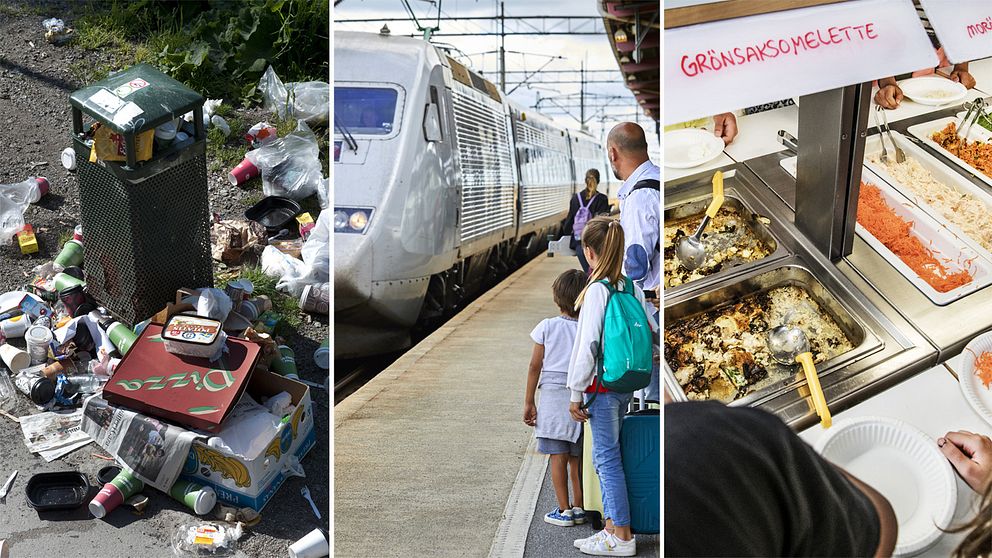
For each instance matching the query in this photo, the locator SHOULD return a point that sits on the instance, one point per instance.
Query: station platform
(432, 458)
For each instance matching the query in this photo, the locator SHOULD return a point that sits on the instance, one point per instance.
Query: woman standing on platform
(584, 206)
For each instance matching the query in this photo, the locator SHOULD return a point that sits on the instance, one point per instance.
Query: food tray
(273, 212)
(692, 212)
(941, 173)
(946, 247)
(57, 491)
(780, 377)
(924, 130)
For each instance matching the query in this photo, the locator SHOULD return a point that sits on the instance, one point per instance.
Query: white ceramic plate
(933, 90)
(691, 147)
(905, 466)
(976, 394)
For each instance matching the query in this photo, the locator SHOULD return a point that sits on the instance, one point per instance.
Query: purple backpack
(581, 216)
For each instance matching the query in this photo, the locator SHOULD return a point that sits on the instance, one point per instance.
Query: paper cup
(14, 358)
(285, 364)
(38, 338)
(71, 254)
(322, 356)
(69, 158)
(121, 336)
(313, 545)
(16, 326)
(242, 173)
(196, 497)
(77, 233)
(106, 501)
(64, 281)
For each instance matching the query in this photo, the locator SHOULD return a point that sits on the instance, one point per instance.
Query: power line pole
(502, 49)
(582, 95)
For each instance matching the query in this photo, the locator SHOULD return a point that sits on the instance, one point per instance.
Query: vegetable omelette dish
(727, 239)
(723, 354)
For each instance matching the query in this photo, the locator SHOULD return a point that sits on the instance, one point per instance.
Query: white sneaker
(578, 515)
(610, 546)
(579, 543)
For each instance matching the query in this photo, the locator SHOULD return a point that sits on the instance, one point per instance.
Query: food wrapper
(110, 146)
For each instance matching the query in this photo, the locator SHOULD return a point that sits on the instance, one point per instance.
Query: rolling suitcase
(640, 450)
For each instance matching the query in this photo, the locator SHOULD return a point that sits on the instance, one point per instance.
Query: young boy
(557, 434)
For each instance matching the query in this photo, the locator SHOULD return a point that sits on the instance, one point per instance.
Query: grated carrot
(891, 230)
(983, 368)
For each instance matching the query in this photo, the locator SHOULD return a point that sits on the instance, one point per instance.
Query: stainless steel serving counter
(949, 327)
(897, 350)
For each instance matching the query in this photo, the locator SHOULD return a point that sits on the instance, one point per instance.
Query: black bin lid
(136, 99)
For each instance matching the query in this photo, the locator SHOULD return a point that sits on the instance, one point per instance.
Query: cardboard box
(250, 481)
(186, 390)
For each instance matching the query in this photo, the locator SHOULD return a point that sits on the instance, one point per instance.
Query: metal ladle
(690, 250)
(788, 345)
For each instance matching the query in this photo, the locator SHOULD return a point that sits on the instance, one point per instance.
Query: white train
(440, 185)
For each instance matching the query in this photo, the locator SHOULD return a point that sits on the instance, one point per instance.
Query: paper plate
(933, 90)
(691, 147)
(904, 465)
(976, 394)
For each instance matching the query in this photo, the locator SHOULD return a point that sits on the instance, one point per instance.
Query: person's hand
(725, 127)
(971, 456)
(963, 77)
(578, 413)
(530, 414)
(889, 96)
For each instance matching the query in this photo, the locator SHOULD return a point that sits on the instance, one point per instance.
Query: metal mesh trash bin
(146, 224)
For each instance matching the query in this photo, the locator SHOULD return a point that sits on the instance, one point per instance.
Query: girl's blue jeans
(605, 416)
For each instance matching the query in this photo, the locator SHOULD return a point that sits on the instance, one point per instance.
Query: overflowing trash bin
(142, 190)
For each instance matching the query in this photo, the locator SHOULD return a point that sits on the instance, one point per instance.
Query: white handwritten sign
(964, 27)
(727, 65)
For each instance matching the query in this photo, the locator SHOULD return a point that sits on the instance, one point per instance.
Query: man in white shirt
(640, 215)
(640, 203)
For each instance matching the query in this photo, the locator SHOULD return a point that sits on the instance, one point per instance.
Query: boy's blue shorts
(550, 446)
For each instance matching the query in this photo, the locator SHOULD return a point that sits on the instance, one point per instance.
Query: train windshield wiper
(352, 144)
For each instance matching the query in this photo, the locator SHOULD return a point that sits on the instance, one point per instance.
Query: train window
(366, 110)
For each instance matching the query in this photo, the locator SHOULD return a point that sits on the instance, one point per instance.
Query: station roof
(637, 25)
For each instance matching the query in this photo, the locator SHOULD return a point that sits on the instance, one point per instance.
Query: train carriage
(441, 185)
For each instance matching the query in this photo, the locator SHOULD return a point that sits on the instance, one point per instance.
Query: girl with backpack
(612, 357)
(584, 206)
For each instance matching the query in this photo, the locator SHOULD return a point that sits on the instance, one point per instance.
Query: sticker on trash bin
(127, 114)
(106, 101)
(130, 87)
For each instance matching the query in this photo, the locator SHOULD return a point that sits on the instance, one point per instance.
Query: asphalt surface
(35, 83)
(552, 541)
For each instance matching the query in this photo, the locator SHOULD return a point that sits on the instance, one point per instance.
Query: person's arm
(573, 208)
(725, 127)
(585, 351)
(888, 526)
(961, 75)
(533, 373)
(971, 456)
(640, 230)
(889, 95)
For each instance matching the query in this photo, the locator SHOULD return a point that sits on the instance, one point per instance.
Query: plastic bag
(308, 100)
(206, 538)
(290, 166)
(294, 274)
(214, 304)
(248, 430)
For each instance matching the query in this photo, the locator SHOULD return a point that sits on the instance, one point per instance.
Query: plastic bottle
(87, 383)
(17, 198)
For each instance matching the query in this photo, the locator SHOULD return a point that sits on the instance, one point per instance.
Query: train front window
(365, 110)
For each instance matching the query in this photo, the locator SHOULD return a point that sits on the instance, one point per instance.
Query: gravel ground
(35, 83)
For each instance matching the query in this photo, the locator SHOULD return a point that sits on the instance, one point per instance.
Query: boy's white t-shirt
(557, 335)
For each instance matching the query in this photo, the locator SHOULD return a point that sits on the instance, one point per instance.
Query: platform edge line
(511, 537)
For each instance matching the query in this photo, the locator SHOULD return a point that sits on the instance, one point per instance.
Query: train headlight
(352, 219)
(358, 220)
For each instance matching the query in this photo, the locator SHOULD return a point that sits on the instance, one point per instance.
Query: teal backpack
(626, 357)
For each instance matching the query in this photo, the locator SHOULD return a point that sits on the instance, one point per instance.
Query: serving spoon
(789, 345)
(690, 250)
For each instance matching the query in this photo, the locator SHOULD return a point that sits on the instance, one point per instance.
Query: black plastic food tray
(273, 212)
(57, 491)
